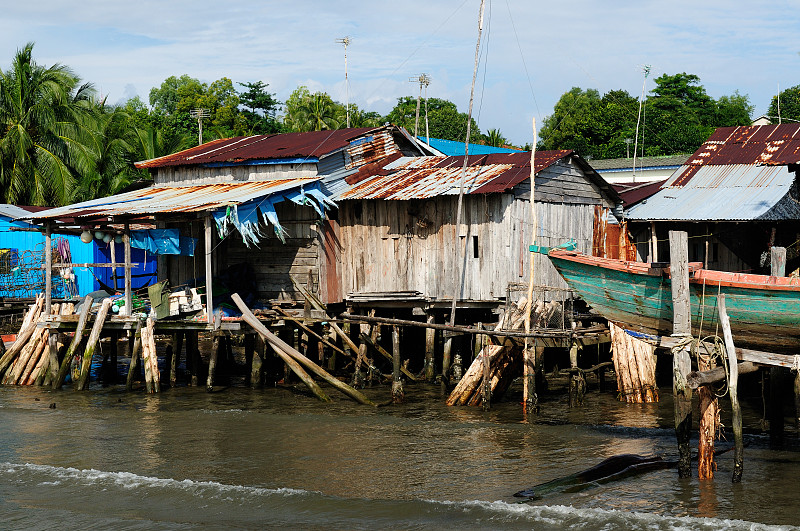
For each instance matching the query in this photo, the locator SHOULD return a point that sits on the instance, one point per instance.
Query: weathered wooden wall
(410, 245)
(191, 175)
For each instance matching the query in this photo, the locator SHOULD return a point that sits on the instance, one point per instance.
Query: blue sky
(532, 51)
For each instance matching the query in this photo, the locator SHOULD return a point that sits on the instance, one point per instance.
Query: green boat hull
(762, 319)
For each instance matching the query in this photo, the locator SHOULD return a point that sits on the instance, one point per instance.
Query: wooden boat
(764, 310)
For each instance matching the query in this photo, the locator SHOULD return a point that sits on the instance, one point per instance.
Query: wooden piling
(257, 363)
(398, 396)
(151, 359)
(295, 359)
(94, 337)
(73, 346)
(216, 346)
(135, 350)
(26, 330)
(733, 390)
(775, 409)
(709, 413)
(175, 360)
(682, 365)
(430, 348)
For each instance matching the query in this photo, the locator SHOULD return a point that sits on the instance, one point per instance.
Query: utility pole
(199, 114)
(424, 80)
(346, 41)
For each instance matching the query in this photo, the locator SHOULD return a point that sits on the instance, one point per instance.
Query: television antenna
(346, 42)
(646, 71)
(424, 80)
(199, 114)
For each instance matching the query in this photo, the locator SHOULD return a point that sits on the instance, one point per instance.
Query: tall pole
(346, 41)
(529, 397)
(461, 250)
(638, 118)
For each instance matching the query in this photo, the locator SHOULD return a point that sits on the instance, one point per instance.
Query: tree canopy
(786, 105)
(677, 117)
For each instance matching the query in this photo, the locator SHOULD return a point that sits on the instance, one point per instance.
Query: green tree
(444, 120)
(260, 107)
(574, 123)
(361, 118)
(312, 112)
(789, 105)
(47, 125)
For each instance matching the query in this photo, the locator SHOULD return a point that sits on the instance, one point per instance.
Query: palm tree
(494, 138)
(47, 131)
(318, 112)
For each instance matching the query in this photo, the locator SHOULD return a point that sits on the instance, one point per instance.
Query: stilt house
(398, 233)
(736, 197)
(253, 204)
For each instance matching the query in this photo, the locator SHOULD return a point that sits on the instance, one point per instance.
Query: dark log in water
(611, 469)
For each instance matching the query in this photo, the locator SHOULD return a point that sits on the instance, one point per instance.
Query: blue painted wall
(34, 241)
(145, 274)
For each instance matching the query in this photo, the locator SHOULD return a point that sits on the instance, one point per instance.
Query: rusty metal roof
(756, 144)
(172, 199)
(424, 177)
(311, 145)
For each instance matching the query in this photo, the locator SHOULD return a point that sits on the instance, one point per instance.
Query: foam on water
(218, 503)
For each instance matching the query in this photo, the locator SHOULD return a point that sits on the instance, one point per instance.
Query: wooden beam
(126, 241)
(209, 287)
(717, 374)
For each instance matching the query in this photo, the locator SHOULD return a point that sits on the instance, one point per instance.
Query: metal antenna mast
(424, 80)
(346, 42)
(646, 70)
(200, 114)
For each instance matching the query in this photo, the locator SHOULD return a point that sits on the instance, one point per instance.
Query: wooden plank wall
(390, 247)
(189, 175)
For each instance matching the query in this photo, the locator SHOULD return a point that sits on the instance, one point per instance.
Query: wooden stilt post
(486, 390)
(48, 269)
(52, 351)
(733, 390)
(778, 262)
(193, 354)
(257, 365)
(175, 360)
(397, 384)
(430, 348)
(709, 411)
(150, 359)
(112, 358)
(775, 414)
(447, 350)
(212, 360)
(682, 365)
(135, 352)
(94, 337)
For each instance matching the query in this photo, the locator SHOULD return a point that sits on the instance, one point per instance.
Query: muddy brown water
(276, 458)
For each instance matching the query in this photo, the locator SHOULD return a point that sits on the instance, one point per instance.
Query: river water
(277, 458)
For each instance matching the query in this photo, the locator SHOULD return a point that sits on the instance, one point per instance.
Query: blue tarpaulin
(244, 217)
(163, 241)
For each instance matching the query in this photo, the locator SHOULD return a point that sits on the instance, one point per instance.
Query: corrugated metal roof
(173, 199)
(735, 192)
(424, 177)
(312, 145)
(13, 211)
(755, 144)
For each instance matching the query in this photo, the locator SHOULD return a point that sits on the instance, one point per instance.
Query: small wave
(221, 411)
(128, 480)
(563, 516)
